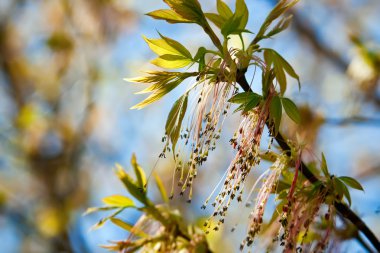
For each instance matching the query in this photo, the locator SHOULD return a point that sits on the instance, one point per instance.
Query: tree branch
(343, 209)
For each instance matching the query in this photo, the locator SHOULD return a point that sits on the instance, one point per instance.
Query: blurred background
(65, 118)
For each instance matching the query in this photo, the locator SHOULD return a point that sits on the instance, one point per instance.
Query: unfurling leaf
(174, 120)
(351, 182)
(291, 110)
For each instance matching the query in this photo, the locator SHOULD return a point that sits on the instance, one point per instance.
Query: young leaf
(162, 83)
(158, 94)
(169, 61)
(129, 227)
(241, 12)
(131, 185)
(291, 110)
(97, 209)
(243, 97)
(280, 65)
(351, 182)
(275, 111)
(280, 26)
(104, 220)
(255, 100)
(231, 26)
(118, 201)
(216, 19)
(281, 7)
(280, 75)
(324, 167)
(174, 120)
(188, 9)
(223, 9)
(161, 188)
(343, 190)
(140, 174)
(169, 16)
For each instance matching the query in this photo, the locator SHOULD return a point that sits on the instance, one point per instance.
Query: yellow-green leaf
(140, 174)
(351, 182)
(168, 15)
(241, 12)
(161, 188)
(118, 201)
(171, 61)
(174, 120)
(131, 185)
(223, 9)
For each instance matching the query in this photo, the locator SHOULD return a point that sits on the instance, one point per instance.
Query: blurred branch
(352, 120)
(304, 28)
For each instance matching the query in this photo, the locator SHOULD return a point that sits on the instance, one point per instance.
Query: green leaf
(169, 61)
(216, 19)
(275, 111)
(168, 15)
(132, 187)
(223, 9)
(161, 188)
(342, 188)
(231, 26)
(244, 97)
(174, 120)
(140, 174)
(252, 103)
(291, 110)
(241, 12)
(339, 191)
(324, 167)
(200, 57)
(280, 65)
(118, 201)
(280, 75)
(248, 100)
(351, 182)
